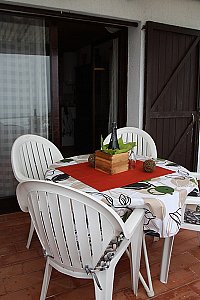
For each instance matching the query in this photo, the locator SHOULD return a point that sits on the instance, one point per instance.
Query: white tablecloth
(161, 197)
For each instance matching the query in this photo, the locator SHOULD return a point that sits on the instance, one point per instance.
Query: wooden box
(111, 164)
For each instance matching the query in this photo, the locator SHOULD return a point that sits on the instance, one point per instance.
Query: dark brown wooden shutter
(172, 91)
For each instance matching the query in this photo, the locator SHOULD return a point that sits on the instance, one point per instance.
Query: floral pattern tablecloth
(161, 197)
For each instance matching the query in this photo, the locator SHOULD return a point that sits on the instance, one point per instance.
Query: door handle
(193, 118)
(192, 131)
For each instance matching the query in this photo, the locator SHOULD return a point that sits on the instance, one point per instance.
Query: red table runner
(102, 181)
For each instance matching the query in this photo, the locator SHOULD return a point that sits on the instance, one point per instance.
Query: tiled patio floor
(21, 270)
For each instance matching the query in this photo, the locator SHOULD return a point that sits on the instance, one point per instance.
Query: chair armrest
(133, 221)
(192, 200)
(196, 175)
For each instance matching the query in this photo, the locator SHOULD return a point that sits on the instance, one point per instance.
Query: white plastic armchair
(77, 232)
(31, 155)
(145, 145)
(185, 224)
(194, 201)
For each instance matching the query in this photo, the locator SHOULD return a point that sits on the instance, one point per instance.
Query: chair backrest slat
(83, 232)
(69, 231)
(48, 223)
(25, 167)
(31, 161)
(56, 219)
(35, 211)
(96, 234)
(40, 164)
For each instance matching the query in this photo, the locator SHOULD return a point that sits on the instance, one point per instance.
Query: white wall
(176, 12)
(135, 77)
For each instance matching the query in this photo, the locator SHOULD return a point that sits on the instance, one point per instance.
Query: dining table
(161, 193)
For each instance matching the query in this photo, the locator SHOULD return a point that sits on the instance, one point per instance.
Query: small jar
(132, 160)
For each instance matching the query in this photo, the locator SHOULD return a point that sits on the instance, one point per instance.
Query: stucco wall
(176, 12)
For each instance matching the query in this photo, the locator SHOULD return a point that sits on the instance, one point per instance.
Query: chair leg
(149, 287)
(30, 235)
(45, 284)
(166, 257)
(106, 279)
(135, 266)
(198, 236)
(135, 255)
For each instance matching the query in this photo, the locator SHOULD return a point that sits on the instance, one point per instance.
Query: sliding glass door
(61, 79)
(24, 87)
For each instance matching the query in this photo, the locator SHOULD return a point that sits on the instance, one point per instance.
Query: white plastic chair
(194, 201)
(145, 145)
(77, 232)
(168, 246)
(31, 155)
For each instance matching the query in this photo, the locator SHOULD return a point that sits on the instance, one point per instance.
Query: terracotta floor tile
(37, 264)
(17, 230)
(182, 293)
(7, 240)
(83, 293)
(180, 278)
(9, 249)
(55, 274)
(59, 286)
(15, 222)
(3, 218)
(184, 235)
(9, 271)
(122, 281)
(19, 257)
(21, 245)
(159, 287)
(22, 281)
(22, 270)
(195, 252)
(182, 246)
(196, 268)
(19, 295)
(154, 250)
(128, 295)
(183, 260)
(34, 291)
(154, 268)
(123, 266)
(2, 288)
(15, 216)
(65, 283)
(195, 286)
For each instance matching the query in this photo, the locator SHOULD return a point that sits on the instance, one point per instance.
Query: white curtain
(24, 88)
(113, 85)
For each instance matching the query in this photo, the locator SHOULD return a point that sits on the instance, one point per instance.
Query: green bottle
(113, 139)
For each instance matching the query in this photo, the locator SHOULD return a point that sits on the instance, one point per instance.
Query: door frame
(122, 79)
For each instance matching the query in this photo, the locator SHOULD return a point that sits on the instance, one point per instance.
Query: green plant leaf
(101, 141)
(123, 147)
